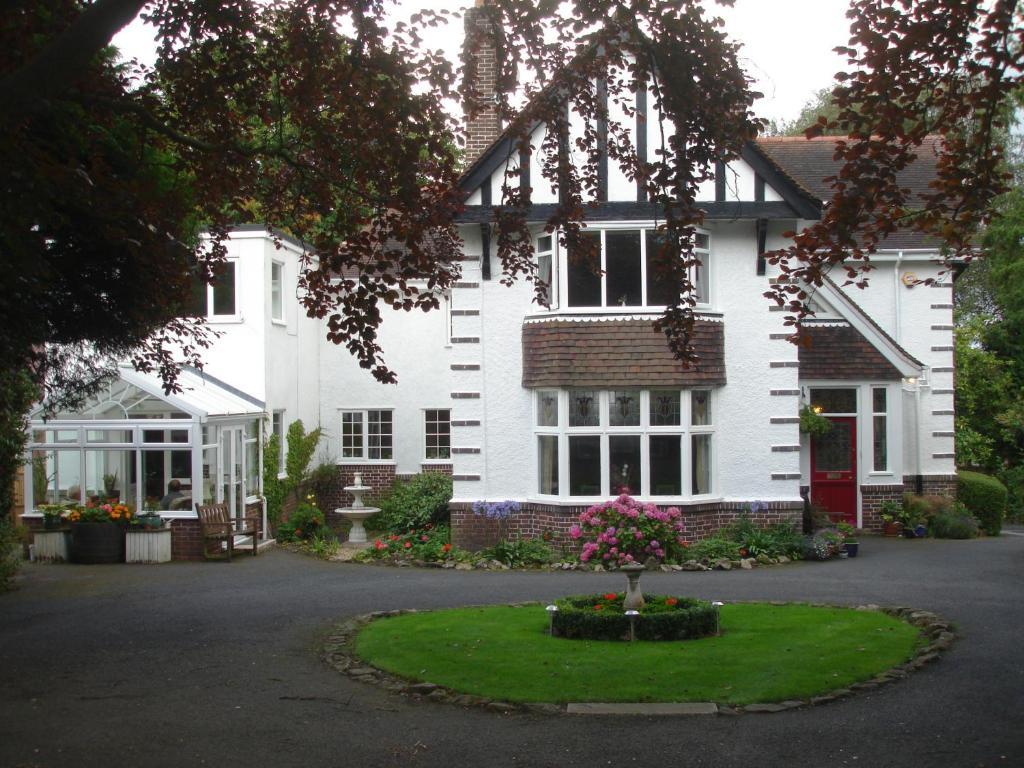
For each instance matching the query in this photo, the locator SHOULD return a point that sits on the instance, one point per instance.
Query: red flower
(378, 544)
(610, 596)
(744, 552)
(446, 548)
(408, 545)
(424, 537)
(599, 607)
(670, 601)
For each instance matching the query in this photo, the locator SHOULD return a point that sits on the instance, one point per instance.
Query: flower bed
(602, 617)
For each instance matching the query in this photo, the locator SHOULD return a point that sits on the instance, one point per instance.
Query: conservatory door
(834, 469)
(231, 469)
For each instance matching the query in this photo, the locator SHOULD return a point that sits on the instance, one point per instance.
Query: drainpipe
(896, 298)
(918, 480)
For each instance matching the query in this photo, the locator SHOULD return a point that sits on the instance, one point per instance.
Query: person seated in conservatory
(173, 494)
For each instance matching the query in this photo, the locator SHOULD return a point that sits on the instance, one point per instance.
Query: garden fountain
(357, 512)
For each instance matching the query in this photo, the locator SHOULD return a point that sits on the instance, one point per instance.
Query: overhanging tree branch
(61, 61)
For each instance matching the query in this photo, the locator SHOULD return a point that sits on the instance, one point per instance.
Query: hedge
(576, 619)
(985, 497)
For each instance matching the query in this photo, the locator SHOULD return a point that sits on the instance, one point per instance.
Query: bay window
(648, 443)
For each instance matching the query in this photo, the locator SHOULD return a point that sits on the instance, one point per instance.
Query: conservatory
(154, 451)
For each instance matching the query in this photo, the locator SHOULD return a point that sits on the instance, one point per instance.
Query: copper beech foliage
(918, 69)
(318, 118)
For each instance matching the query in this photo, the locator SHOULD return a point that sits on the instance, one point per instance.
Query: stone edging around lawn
(338, 651)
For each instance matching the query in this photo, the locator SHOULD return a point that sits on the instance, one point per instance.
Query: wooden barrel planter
(94, 543)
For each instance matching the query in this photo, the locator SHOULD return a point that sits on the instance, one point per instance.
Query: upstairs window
(217, 299)
(277, 292)
(222, 298)
(545, 269)
(628, 276)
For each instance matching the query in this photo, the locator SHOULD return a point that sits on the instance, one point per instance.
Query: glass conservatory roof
(134, 395)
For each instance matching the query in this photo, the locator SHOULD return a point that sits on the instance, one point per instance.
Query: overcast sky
(787, 45)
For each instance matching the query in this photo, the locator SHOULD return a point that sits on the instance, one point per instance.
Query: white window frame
(365, 450)
(277, 287)
(279, 432)
(685, 430)
(551, 255)
(427, 458)
(562, 280)
(235, 316)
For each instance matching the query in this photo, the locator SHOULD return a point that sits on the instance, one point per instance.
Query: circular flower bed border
(601, 617)
(339, 652)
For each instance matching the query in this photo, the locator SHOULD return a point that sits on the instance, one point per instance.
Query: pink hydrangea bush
(625, 531)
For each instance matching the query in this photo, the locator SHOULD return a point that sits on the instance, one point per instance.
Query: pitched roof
(808, 162)
(839, 351)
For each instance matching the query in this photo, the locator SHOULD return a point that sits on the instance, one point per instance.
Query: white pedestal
(148, 546)
(51, 546)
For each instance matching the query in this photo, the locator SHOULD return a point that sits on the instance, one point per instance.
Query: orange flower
(671, 601)
(446, 548)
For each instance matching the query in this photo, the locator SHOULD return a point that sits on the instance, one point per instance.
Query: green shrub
(662, 618)
(518, 553)
(714, 548)
(921, 509)
(417, 502)
(1013, 479)
(10, 553)
(955, 524)
(985, 497)
(305, 523)
(324, 544)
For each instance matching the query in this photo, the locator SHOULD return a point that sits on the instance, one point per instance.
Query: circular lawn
(765, 653)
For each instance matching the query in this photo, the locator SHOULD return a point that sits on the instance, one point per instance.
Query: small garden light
(632, 624)
(552, 610)
(717, 604)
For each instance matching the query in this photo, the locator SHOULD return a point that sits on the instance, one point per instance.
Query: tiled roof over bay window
(617, 353)
(839, 351)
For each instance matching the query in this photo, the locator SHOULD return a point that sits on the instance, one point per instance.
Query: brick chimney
(483, 127)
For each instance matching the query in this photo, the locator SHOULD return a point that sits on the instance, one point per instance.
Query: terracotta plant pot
(892, 529)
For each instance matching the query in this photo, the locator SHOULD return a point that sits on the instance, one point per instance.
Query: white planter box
(51, 546)
(148, 546)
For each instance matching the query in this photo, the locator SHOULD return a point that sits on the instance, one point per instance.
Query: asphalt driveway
(215, 664)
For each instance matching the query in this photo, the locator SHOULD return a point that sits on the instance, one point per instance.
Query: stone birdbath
(634, 599)
(357, 512)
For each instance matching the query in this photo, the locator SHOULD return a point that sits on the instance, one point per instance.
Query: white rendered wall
(745, 406)
(293, 347)
(924, 329)
(414, 348)
(238, 356)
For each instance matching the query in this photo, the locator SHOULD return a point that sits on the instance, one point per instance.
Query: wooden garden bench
(218, 526)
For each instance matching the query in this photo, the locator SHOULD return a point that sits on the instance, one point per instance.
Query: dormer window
(627, 276)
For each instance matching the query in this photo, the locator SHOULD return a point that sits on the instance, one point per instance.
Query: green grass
(765, 653)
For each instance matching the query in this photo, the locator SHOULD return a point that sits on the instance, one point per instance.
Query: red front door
(834, 469)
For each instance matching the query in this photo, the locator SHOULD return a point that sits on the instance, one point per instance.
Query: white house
(559, 406)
